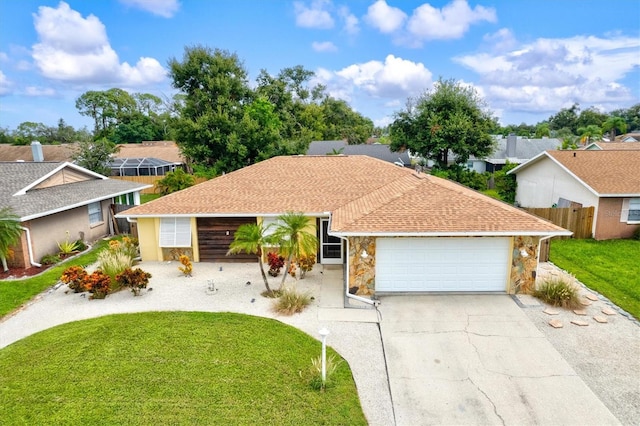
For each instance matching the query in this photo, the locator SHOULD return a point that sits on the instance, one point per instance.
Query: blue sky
(527, 59)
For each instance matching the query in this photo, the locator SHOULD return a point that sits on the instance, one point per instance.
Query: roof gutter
(346, 286)
(33, 262)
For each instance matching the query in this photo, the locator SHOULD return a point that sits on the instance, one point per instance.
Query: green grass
(611, 267)
(493, 193)
(171, 368)
(145, 198)
(14, 293)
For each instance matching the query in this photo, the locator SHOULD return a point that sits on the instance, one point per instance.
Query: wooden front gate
(215, 234)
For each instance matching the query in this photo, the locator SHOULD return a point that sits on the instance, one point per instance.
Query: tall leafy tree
(293, 236)
(95, 155)
(612, 124)
(10, 232)
(565, 118)
(107, 108)
(591, 116)
(251, 238)
(449, 118)
(215, 88)
(630, 115)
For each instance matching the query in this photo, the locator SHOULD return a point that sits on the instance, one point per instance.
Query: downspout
(33, 262)
(347, 294)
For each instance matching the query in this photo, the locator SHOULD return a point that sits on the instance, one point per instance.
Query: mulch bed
(15, 273)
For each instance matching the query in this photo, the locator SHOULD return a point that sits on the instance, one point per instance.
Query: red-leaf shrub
(75, 277)
(275, 263)
(135, 279)
(98, 283)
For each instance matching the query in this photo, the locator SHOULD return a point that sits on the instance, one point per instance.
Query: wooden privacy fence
(578, 220)
(151, 180)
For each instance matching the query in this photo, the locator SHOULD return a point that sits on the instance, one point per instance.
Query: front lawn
(14, 293)
(171, 368)
(611, 267)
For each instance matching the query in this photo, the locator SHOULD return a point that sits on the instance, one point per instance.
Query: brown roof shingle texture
(631, 146)
(163, 150)
(58, 153)
(365, 195)
(608, 172)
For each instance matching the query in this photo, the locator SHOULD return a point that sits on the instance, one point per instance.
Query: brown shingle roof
(365, 195)
(607, 172)
(634, 146)
(163, 150)
(60, 153)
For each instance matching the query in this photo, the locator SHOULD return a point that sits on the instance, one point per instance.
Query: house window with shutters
(175, 232)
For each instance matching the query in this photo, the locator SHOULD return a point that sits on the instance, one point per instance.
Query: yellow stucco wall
(148, 236)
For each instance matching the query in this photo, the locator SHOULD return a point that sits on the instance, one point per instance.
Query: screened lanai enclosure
(141, 167)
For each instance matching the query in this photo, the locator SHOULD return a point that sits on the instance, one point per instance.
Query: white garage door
(442, 264)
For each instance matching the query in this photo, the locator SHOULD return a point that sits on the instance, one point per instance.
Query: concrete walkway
(477, 359)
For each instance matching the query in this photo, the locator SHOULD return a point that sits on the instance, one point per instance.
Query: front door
(330, 246)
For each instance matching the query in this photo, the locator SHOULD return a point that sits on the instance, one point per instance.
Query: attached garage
(448, 264)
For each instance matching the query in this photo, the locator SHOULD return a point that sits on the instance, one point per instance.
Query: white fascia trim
(137, 216)
(620, 195)
(56, 170)
(73, 206)
(452, 234)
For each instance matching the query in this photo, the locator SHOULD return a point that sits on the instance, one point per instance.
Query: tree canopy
(449, 118)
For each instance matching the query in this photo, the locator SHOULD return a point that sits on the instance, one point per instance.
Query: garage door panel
(441, 264)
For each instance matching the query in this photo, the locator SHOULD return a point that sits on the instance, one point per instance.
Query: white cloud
(549, 74)
(323, 46)
(4, 57)
(315, 16)
(501, 40)
(351, 23)
(450, 22)
(391, 81)
(39, 91)
(5, 84)
(74, 49)
(385, 18)
(164, 8)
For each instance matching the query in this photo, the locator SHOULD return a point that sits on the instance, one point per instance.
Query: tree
(589, 133)
(107, 108)
(95, 155)
(542, 129)
(591, 116)
(612, 124)
(450, 118)
(215, 88)
(506, 185)
(566, 117)
(250, 238)
(174, 181)
(630, 115)
(10, 232)
(294, 238)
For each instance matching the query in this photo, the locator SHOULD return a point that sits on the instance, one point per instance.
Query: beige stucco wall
(521, 265)
(607, 221)
(47, 231)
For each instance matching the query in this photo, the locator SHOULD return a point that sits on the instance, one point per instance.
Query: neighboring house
(394, 229)
(608, 180)
(629, 137)
(612, 145)
(514, 149)
(53, 198)
(37, 152)
(374, 150)
(149, 158)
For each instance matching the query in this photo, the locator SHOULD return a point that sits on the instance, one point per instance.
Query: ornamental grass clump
(559, 292)
(291, 302)
(314, 375)
(114, 262)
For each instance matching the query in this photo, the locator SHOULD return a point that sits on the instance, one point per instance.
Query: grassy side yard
(172, 368)
(145, 198)
(14, 293)
(610, 267)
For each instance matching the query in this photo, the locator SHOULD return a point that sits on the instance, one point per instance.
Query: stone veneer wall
(524, 264)
(362, 271)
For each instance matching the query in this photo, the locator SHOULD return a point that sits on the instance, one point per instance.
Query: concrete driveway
(478, 359)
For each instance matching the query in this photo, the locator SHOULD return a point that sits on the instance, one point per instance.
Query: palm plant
(10, 232)
(612, 124)
(294, 238)
(250, 238)
(590, 133)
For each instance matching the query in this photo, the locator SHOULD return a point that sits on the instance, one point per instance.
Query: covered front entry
(331, 252)
(215, 234)
(442, 264)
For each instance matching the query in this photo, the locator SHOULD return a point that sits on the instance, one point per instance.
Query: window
(634, 210)
(175, 232)
(95, 213)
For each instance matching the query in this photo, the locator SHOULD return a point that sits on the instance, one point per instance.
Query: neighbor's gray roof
(376, 150)
(15, 176)
(525, 148)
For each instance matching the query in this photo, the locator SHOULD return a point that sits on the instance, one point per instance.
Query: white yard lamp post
(324, 333)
